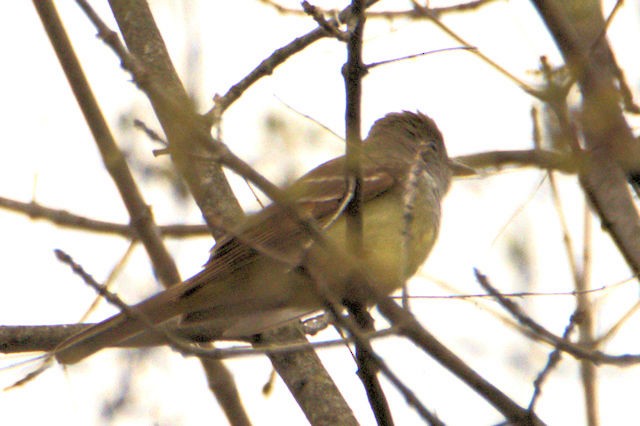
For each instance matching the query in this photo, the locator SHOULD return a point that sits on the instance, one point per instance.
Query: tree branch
(140, 213)
(611, 146)
(277, 58)
(187, 133)
(73, 221)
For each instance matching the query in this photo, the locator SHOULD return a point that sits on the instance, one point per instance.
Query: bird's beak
(460, 169)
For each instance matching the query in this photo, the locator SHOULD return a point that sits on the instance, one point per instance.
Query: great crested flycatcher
(243, 289)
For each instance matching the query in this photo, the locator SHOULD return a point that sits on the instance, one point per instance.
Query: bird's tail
(116, 329)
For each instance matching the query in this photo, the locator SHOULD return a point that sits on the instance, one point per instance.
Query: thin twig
(586, 325)
(416, 55)
(113, 274)
(151, 134)
(552, 361)
(115, 300)
(71, 220)
(268, 65)
(615, 328)
(474, 50)
(524, 294)
(332, 27)
(413, 13)
(574, 350)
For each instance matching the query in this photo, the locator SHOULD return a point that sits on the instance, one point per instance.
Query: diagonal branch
(205, 179)
(141, 216)
(612, 147)
(278, 57)
(409, 327)
(190, 140)
(140, 213)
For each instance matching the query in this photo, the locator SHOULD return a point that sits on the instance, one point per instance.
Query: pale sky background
(48, 154)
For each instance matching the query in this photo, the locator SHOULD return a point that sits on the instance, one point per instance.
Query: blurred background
(505, 223)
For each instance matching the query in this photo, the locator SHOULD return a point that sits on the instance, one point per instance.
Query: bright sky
(49, 155)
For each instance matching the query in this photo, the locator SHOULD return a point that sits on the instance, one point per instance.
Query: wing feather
(274, 232)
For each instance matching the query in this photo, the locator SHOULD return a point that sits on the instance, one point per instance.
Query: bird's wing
(319, 195)
(274, 231)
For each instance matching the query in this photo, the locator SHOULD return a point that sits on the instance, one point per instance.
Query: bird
(263, 272)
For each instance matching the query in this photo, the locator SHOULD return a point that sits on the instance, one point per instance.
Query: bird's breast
(397, 236)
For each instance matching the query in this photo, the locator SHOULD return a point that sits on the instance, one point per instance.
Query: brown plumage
(251, 281)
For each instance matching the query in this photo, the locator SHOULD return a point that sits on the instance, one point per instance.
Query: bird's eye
(429, 150)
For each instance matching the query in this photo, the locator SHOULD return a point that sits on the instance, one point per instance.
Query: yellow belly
(394, 246)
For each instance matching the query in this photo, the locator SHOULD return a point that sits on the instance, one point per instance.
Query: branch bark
(204, 178)
(611, 148)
